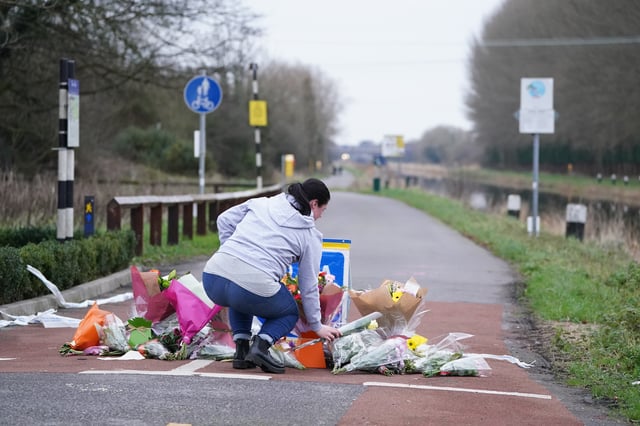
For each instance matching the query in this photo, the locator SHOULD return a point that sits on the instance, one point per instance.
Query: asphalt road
(469, 290)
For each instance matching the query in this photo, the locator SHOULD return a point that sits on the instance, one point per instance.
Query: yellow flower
(396, 295)
(372, 325)
(415, 341)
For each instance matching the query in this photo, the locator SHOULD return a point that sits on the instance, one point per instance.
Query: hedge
(66, 264)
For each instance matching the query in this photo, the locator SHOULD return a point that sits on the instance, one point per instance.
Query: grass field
(588, 294)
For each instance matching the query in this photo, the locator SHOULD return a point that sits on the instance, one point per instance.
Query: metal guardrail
(214, 203)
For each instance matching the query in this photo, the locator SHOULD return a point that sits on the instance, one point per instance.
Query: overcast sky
(400, 66)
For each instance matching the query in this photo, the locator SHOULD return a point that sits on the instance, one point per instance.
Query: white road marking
(450, 389)
(193, 365)
(7, 359)
(189, 369)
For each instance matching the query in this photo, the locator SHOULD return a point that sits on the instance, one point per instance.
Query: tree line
(133, 60)
(591, 49)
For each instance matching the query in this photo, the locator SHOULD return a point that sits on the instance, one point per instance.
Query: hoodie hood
(282, 211)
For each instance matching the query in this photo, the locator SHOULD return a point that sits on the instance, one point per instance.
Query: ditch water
(608, 222)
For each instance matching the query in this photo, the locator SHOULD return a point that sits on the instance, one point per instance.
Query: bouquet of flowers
(148, 293)
(331, 298)
(429, 359)
(385, 356)
(402, 305)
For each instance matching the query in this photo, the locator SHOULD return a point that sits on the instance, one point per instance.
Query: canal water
(608, 222)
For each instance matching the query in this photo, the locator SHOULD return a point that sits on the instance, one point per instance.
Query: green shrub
(66, 264)
(156, 148)
(41, 257)
(13, 275)
(18, 237)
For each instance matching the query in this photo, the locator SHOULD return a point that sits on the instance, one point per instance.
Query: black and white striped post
(66, 155)
(254, 68)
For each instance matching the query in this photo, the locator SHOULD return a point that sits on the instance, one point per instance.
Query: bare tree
(123, 49)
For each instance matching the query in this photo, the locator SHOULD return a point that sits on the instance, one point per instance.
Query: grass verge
(593, 287)
(185, 250)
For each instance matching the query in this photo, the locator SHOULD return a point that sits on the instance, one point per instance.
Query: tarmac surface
(469, 291)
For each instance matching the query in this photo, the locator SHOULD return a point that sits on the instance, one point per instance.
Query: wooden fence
(208, 207)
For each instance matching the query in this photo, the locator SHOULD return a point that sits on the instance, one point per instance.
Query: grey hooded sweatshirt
(269, 234)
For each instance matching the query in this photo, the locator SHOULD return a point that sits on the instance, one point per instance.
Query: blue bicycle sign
(202, 94)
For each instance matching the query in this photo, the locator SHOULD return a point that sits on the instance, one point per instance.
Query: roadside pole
(536, 115)
(68, 139)
(257, 119)
(534, 186)
(202, 94)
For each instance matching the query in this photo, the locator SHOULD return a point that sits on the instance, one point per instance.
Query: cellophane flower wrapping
(155, 350)
(386, 357)
(193, 307)
(332, 296)
(86, 334)
(473, 365)
(215, 340)
(429, 358)
(113, 334)
(343, 349)
(402, 305)
(148, 298)
(281, 352)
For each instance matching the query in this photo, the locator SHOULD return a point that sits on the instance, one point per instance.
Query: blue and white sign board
(336, 259)
(73, 113)
(202, 94)
(536, 106)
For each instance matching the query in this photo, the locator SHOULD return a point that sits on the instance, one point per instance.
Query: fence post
(201, 227)
(114, 215)
(187, 220)
(137, 225)
(173, 217)
(155, 225)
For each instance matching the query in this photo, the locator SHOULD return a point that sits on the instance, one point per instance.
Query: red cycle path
(507, 396)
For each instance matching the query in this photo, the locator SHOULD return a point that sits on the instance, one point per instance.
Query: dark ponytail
(310, 189)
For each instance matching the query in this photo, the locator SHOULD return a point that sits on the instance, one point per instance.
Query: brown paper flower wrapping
(395, 314)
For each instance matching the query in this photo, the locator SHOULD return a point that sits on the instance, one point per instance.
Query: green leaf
(138, 322)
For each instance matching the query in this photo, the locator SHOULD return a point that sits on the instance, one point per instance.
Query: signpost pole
(202, 94)
(534, 186)
(536, 116)
(203, 126)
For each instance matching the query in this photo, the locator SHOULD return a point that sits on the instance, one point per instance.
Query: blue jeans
(280, 311)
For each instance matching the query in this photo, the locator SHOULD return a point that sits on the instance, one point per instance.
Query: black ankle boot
(242, 349)
(259, 355)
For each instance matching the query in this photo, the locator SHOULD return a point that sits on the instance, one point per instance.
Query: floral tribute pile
(175, 320)
(393, 347)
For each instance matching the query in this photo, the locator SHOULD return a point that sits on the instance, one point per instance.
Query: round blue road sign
(202, 94)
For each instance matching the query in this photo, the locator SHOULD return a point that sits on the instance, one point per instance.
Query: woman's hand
(328, 333)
